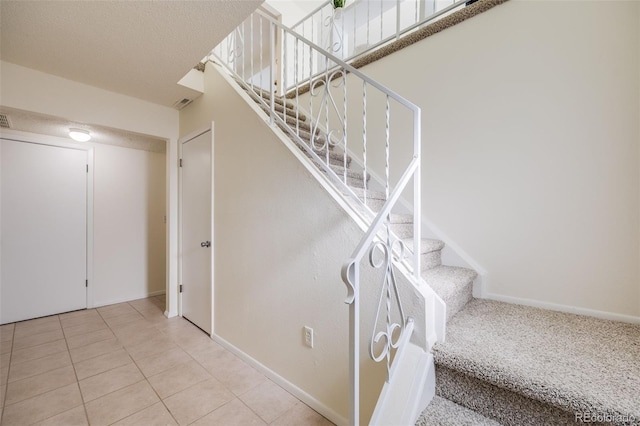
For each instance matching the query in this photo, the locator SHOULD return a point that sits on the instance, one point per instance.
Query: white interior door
(43, 193)
(196, 226)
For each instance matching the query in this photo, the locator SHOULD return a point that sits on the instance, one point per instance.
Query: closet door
(44, 230)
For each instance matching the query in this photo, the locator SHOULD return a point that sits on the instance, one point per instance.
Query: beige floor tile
(235, 374)
(9, 327)
(137, 333)
(6, 346)
(37, 326)
(301, 414)
(35, 352)
(102, 363)
(120, 404)
(42, 383)
(110, 381)
(6, 333)
(143, 304)
(4, 375)
(268, 400)
(197, 401)
(95, 349)
(178, 378)
(191, 339)
(74, 417)
(4, 359)
(203, 353)
(72, 319)
(3, 389)
(124, 320)
(213, 358)
(38, 366)
(43, 406)
(37, 339)
(156, 415)
(156, 345)
(155, 364)
(111, 311)
(89, 338)
(94, 324)
(233, 413)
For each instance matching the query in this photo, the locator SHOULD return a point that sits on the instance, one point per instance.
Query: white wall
(31, 90)
(530, 145)
(129, 229)
(280, 242)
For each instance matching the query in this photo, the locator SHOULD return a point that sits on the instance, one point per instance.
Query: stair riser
(459, 300)
(430, 260)
(374, 204)
(504, 406)
(402, 230)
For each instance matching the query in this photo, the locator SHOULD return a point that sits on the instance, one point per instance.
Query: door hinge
(181, 162)
(180, 288)
(87, 168)
(86, 283)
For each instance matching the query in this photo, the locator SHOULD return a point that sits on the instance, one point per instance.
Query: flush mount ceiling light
(79, 135)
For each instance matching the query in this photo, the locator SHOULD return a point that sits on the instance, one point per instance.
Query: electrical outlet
(308, 336)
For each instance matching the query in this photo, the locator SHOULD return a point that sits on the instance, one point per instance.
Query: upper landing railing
(362, 26)
(343, 119)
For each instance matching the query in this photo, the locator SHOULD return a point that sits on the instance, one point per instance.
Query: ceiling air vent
(4, 121)
(182, 103)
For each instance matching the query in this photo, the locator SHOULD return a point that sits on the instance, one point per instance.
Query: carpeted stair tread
(352, 174)
(371, 195)
(442, 412)
(447, 281)
(427, 245)
(572, 362)
(401, 218)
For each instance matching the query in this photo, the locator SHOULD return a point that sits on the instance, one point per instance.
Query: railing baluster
(364, 139)
(297, 92)
(272, 58)
(386, 149)
(252, 43)
(284, 82)
(261, 49)
(326, 120)
(344, 125)
(397, 19)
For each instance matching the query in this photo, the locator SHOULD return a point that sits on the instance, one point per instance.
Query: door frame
(181, 142)
(25, 137)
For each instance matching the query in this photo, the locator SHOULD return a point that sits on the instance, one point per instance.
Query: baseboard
(564, 308)
(128, 299)
(285, 384)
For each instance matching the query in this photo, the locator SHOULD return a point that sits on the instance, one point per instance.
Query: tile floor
(127, 364)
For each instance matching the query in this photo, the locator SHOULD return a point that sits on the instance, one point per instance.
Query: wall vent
(182, 103)
(4, 121)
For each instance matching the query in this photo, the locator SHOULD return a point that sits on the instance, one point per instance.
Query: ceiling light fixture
(79, 135)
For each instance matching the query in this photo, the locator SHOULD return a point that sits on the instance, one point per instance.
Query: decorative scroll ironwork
(334, 33)
(235, 46)
(335, 136)
(392, 251)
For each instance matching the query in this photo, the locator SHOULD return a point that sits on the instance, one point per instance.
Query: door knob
(205, 244)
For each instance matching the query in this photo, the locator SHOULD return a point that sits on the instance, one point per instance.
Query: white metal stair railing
(364, 25)
(330, 134)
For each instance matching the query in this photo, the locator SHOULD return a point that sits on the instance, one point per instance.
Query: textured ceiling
(137, 48)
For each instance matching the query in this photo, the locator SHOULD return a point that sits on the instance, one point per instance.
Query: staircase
(500, 363)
